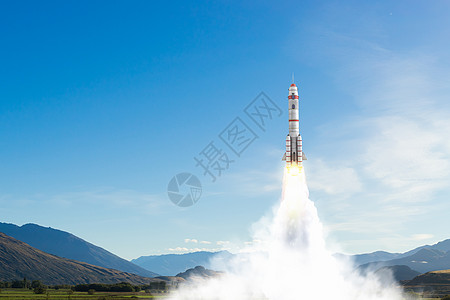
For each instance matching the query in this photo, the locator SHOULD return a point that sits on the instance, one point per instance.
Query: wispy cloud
(333, 180)
(191, 241)
(205, 246)
(255, 182)
(397, 152)
(422, 236)
(181, 250)
(222, 243)
(102, 198)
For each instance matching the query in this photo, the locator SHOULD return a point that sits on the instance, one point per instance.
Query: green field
(23, 294)
(26, 294)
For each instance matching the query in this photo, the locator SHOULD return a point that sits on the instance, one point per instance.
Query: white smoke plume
(294, 262)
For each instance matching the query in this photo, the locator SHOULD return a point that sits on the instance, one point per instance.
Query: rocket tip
(293, 84)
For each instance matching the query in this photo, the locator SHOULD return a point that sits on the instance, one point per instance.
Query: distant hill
(425, 260)
(64, 244)
(378, 256)
(400, 273)
(434, 277)
(431, 284)
(360, 259)
(19, 260)
(171, 264)
(199, 272)
(443, 246)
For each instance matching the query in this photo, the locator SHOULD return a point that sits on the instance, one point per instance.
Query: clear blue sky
(102, 102)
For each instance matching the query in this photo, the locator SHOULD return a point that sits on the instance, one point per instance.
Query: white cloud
(422, 236)
(191, 241)
(253, 242)
(111, 198)
(255, 182)
(108, 199)
(221, 245)
(333, 180)
(180, 250)
(409, 148)
(397, 151)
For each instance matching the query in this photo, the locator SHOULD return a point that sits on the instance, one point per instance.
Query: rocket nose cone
(293, 84)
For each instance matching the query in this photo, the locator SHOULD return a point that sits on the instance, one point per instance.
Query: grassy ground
(25, 294)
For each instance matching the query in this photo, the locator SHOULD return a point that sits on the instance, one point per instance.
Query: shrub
(446, 297)
(40, 290)
(17, 284)
(36, 283)
(91, 292)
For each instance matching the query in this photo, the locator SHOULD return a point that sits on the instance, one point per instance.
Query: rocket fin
(304, 156)
(284, 156)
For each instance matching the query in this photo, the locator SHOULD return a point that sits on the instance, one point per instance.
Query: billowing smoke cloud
(294, 262)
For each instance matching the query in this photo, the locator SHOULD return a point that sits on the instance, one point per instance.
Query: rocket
(294, 155)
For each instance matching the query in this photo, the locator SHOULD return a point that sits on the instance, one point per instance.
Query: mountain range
(67, 245)
(378, 256)
(171, 264)
(435, 284)
(19, 260)
(198, 272)
(398, 273)
(419, 260)
(424, 260)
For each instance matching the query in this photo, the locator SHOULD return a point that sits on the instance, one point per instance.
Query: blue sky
(101, 103)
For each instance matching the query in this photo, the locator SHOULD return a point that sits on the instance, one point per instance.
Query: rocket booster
(294, 155)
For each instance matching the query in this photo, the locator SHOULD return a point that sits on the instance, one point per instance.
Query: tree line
(36, 285)
(120, 287)
(40, 288)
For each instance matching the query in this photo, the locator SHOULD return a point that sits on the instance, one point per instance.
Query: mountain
(434, 277)
(425, 260)
(171, 264)
(67, 245)
(379, 256)
(199, 272)
(431, 284)
(443, 246)
(360, 259)
(400, 273)
(19, 260)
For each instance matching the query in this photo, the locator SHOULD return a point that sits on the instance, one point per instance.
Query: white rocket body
(294, 155)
